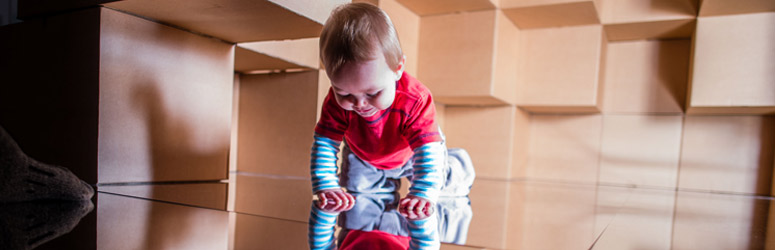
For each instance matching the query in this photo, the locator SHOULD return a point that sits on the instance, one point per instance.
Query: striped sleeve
(323, 164)
(321, 229)
(424, 234)
(428, 162)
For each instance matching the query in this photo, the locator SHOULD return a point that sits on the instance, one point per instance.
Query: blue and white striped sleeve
(424, 234)
(427, 178)
(321, 229)
(323, 164)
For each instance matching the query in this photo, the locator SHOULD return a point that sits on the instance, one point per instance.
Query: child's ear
(400, 69)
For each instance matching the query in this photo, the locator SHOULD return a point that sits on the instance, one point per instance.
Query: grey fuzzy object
(27, 225)
(25, 179)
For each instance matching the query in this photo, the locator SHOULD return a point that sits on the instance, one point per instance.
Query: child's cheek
(346, 105)
(386, 101)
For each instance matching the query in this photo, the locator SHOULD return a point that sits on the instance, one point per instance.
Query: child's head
(362, 57)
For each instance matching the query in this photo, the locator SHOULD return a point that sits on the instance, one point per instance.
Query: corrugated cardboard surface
(487, 133)
(641, 150)
(427, 8)
(683, 28)
(407, 25)
(237, 21)
(277, 119)
(564, 148)
(277, 55)
(734, 61)
(165, 102)
(556, 73)
(456, 54)
(282, 197)
(644, 77)
(731, 7)
(634, 11)
(544, 15)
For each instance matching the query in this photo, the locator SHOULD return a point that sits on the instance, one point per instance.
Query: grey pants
(361, 177)
(378, 211)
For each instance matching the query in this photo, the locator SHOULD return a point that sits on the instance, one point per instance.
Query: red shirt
(386, 139)
(374, 240)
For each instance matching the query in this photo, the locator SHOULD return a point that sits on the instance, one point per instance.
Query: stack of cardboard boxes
(637, 93)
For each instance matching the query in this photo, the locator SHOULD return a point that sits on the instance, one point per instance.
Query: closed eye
(374, 94)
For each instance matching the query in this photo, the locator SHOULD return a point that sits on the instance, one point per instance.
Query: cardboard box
(493, 136)
(469, 58)
(407, 24)
(165, 102)
(428, 8)
(267, 56)
(558, 76)
(207, 195)
(530, 14)
(727, 221)
(123, 99)
(564, 148)
(282, 197)
(733, 66)
(641, 150)
(670, 29)
(731, 7)
(646, 77)
(732, 154)
(440, 114)
(277, 117)
(648, 19)
(238, 21)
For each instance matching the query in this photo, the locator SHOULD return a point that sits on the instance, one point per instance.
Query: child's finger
(350, 198)
(322, 197)
(421, 206)
(352, 201)
(342, 198)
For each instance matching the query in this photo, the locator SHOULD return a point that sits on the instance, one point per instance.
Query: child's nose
(360, 103)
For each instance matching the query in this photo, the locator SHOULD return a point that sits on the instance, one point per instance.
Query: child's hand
(335, 200)
(415, 208)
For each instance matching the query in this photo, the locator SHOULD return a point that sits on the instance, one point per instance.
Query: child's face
(366, 87)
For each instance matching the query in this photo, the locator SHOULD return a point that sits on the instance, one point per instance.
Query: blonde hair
(353, 33)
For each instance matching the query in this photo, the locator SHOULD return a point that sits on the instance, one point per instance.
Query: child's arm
(428, 162)
(325, 183)
(424, 234)
(426, 181)
(321, 228)
(323, 164)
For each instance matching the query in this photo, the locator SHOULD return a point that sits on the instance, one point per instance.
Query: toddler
(384, 116)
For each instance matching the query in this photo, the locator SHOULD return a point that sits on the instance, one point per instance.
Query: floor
(502, 215)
